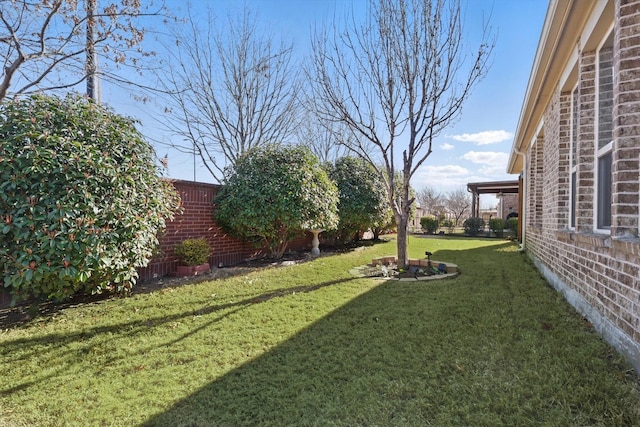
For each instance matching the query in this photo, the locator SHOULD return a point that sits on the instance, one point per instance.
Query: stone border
(365, 271)
(392, 260)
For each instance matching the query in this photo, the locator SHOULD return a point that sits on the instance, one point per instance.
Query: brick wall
(586, 128)
(509, 204)
(626, 131)
(598, 273)
(196, 221)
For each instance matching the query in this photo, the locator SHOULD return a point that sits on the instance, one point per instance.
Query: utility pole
(93, 80)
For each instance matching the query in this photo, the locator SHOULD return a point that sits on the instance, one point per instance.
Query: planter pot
(192, 270)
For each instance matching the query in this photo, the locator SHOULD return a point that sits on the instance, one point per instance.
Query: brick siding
(195, 221)
(602, 269)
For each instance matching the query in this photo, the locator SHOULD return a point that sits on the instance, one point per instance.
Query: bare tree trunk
(396, 81)
(402, 240)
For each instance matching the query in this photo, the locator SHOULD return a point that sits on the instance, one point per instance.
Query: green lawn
(311, 345)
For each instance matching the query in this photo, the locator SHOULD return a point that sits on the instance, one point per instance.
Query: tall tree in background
(430, 199)
(325, 140)
(397, 81)
(230, 88)
(44, 43)
(458, 202)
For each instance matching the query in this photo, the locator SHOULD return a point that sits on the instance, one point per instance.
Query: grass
(311, 345)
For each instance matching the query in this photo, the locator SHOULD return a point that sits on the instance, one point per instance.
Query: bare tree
(326, 140)
(44, 44)
(397, 80)
(458, 202)
(229, 88)
(430, 200)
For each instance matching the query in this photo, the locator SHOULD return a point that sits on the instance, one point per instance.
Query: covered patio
(497, 188)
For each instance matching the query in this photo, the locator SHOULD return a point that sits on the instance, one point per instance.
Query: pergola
(494, 187)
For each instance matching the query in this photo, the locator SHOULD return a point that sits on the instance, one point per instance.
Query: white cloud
(484, 138)
(446, 147)
(445, 170)
(489, 158)
(493, 171)
(493, 164)
(443, 177)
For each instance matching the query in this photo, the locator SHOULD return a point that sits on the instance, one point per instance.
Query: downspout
(523, 214)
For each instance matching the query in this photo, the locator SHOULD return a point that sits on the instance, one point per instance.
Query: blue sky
(475, 148)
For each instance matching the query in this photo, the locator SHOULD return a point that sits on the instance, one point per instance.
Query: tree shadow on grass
(414, 353)
(485, 348)
(362, 364)
(25, 348)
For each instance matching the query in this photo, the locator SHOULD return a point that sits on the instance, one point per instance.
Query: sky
(475, 148)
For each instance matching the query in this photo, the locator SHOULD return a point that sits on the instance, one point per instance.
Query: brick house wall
(598, 271)
(508, 205)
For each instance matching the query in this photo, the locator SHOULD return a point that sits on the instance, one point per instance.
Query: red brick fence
(196, 221)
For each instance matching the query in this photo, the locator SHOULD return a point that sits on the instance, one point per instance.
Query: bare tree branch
(458, 202)
(430, 199)
(229, 88)
(397, 81)
(45, 42)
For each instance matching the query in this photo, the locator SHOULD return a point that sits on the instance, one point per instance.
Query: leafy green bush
(81, 201)
(512, 224)
(497, 226)
(273, 193)
(449, 224)
(193, 251)
(362, 200)
(429, 223)
(472, 226)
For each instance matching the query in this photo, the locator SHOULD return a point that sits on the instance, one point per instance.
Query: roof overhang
(568, 23)
(494, 187)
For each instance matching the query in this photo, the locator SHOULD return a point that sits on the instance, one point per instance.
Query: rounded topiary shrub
(362, 202)
(273, 193)
(449, 224)
(512, 224)
(81, 200)
(497, 226)
(193, 251)
(429, 224)
(473, 226)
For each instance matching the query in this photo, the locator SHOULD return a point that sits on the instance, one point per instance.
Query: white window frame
(600, 152)
(573, 162)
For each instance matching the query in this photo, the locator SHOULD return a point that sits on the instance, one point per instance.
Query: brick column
(564, 168)
(626, 119)
(585, 151)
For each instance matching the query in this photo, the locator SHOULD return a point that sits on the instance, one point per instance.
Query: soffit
(493, 187)
(562, 30)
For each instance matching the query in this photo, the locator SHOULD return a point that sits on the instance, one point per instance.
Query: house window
(604, 134)
(573, 161)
